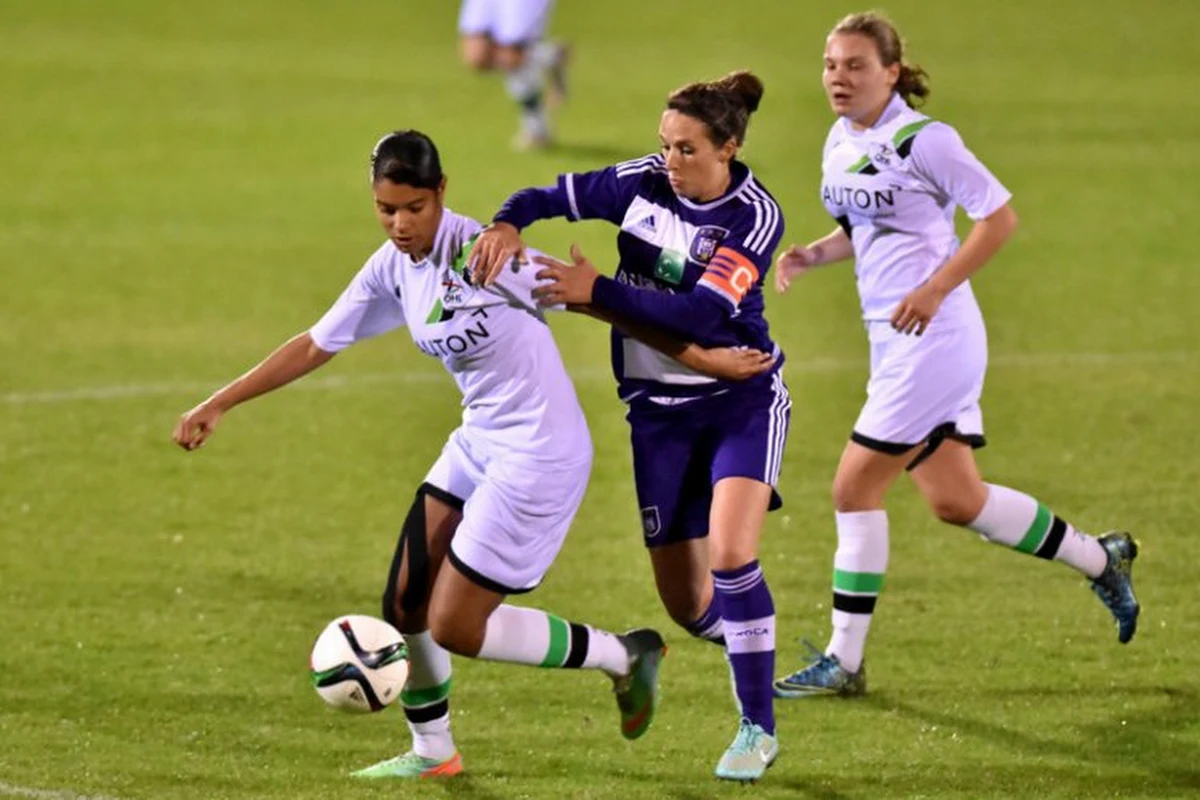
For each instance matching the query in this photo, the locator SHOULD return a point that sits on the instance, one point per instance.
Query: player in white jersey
(494, 509)
(507, 35)
(893, 178)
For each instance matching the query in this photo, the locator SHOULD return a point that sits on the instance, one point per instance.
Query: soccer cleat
(527, 141)
(637, 692)
(752, 753)
(824, 675)
(1114, 587)
(411, 765)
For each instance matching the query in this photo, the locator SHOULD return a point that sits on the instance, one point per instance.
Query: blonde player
(508, 35)
(892, 180)
(494, 509)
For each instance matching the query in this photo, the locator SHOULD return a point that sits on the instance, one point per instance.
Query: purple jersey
(695, 270)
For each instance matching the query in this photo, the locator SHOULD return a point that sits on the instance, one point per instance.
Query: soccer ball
(358, 664)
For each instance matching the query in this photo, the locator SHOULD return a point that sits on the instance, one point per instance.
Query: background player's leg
(956, 493)
(859, 563)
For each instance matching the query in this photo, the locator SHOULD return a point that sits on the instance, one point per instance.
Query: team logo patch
(705, 243)
(651, 524)
(883, 155)
(453, 292)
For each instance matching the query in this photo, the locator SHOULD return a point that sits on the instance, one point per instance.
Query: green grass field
(184, 187)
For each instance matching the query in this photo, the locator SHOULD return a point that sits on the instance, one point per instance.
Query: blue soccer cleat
(1114, 587)
(824, 675)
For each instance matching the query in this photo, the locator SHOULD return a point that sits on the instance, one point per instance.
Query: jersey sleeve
(368, 307)
(607, 193)
(941, 157)
(744, 256)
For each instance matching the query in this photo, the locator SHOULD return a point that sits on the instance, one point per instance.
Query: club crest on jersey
(883, 154)
(651, 523)
(452, 292)
(705, 243)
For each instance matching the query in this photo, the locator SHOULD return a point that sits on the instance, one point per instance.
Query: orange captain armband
(731, 274)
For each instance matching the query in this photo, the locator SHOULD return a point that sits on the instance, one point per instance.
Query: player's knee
(456, 632)
(851, 494)
(954, 509)
(509, 58)
(476, 53)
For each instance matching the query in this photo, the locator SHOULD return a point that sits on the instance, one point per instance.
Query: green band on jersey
(1037, 531)
(459, 264)
(909, 131)
(857, 582)
(560, 638)
(859, 165)
(417, 698)
(435, 316)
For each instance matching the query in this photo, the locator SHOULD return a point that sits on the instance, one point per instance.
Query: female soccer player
(507, 35)
(492, 513)
(697, 233)
(892, 180)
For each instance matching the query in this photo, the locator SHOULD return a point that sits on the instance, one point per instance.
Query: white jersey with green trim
(894, 188)
(494, 342)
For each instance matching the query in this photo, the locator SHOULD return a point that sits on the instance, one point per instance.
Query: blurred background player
(494, 509)
(507, 35)
(892, 179)
(697, 235)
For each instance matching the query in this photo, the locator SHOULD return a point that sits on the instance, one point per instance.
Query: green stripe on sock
(859, 582)
(415, 698)
(560, 639)
(1037, 531)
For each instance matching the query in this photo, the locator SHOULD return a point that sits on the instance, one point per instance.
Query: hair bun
(744, 85)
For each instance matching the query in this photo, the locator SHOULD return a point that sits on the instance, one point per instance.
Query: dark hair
(913, 83)
(724, 105)
(408, 157)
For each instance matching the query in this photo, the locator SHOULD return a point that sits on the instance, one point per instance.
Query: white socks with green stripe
(529, 636)
(426, 696)
(858, 568)
(1016, 520)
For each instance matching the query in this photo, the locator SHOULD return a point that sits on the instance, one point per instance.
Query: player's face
(856, 82)
(409, 215)
(696, 168)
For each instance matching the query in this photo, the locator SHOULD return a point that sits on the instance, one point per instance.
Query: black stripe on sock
(428, 713)
(1053, 540)
(579, 646)
(854, 603)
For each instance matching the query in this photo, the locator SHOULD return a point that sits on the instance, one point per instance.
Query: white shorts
(506, 22)
(922, 387)
(516, 512)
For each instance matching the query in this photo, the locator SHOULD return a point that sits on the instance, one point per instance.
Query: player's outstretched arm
(722, 363)
(294, 358)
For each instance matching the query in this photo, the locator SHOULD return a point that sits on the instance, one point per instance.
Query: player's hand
(793, 263)
(570, 284)
(195, 426)
(917, 309)
(735, 363)
(495, 248)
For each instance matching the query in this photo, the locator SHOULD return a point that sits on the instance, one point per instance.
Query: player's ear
(441, 189)
(728, 150)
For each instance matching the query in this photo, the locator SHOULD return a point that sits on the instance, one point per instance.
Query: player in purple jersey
(697, 232)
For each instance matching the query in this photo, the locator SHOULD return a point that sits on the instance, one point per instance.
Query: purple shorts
(681, 451)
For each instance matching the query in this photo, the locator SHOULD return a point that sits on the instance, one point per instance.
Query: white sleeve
(368, 307)
(516, 283)
(940, 156)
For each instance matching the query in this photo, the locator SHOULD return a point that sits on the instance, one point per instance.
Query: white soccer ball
(359, 664)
